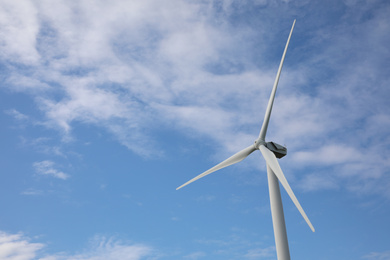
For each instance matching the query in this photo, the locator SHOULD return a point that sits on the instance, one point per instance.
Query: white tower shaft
(280, 233)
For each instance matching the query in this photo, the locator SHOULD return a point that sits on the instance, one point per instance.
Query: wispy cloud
(261, 253)
(333, 154)
(19, 29)
(124, 68)
(377, 255)
(16, 114)
(109, 249)
(183, 65)
(195, 255)
(47, 168)
(206, 198)
(312, 182)
(45, 145)
(17, 246)
(235, 246)
(32, 192)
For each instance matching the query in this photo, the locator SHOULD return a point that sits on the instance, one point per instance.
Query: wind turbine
(270, 151)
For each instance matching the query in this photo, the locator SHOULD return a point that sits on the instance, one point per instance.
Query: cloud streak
(19, 247)
(16, 246)
(195, 68)
(47, 168)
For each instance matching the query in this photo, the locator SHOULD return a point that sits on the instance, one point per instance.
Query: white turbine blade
(267, 115)
(271, 160)
(238, 157)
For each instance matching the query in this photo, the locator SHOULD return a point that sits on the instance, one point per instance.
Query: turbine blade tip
(185, 184)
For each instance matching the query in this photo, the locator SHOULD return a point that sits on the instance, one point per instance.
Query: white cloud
(378, 255)
(116, 68)
(84, 104)
(132, 67)
(312, 182)
(47, 168)
(261, 253)
(17, 247)
(108, 249)
(206, 198)
(332, 154)
(32, 192)
(16, 114)
(18, 31)
(195, 255)
(236, 246)
(20, 247)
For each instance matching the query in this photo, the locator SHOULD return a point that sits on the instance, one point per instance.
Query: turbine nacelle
(279, 150)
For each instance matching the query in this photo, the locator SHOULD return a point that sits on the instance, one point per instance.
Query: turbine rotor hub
(258, 143)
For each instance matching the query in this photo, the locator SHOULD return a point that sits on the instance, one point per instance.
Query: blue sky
(107, 106)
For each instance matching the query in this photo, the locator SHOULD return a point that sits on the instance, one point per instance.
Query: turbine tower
(270, 151)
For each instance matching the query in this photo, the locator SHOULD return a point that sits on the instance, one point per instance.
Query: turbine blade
(267, 115)
(271, 160)
(238, 157)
